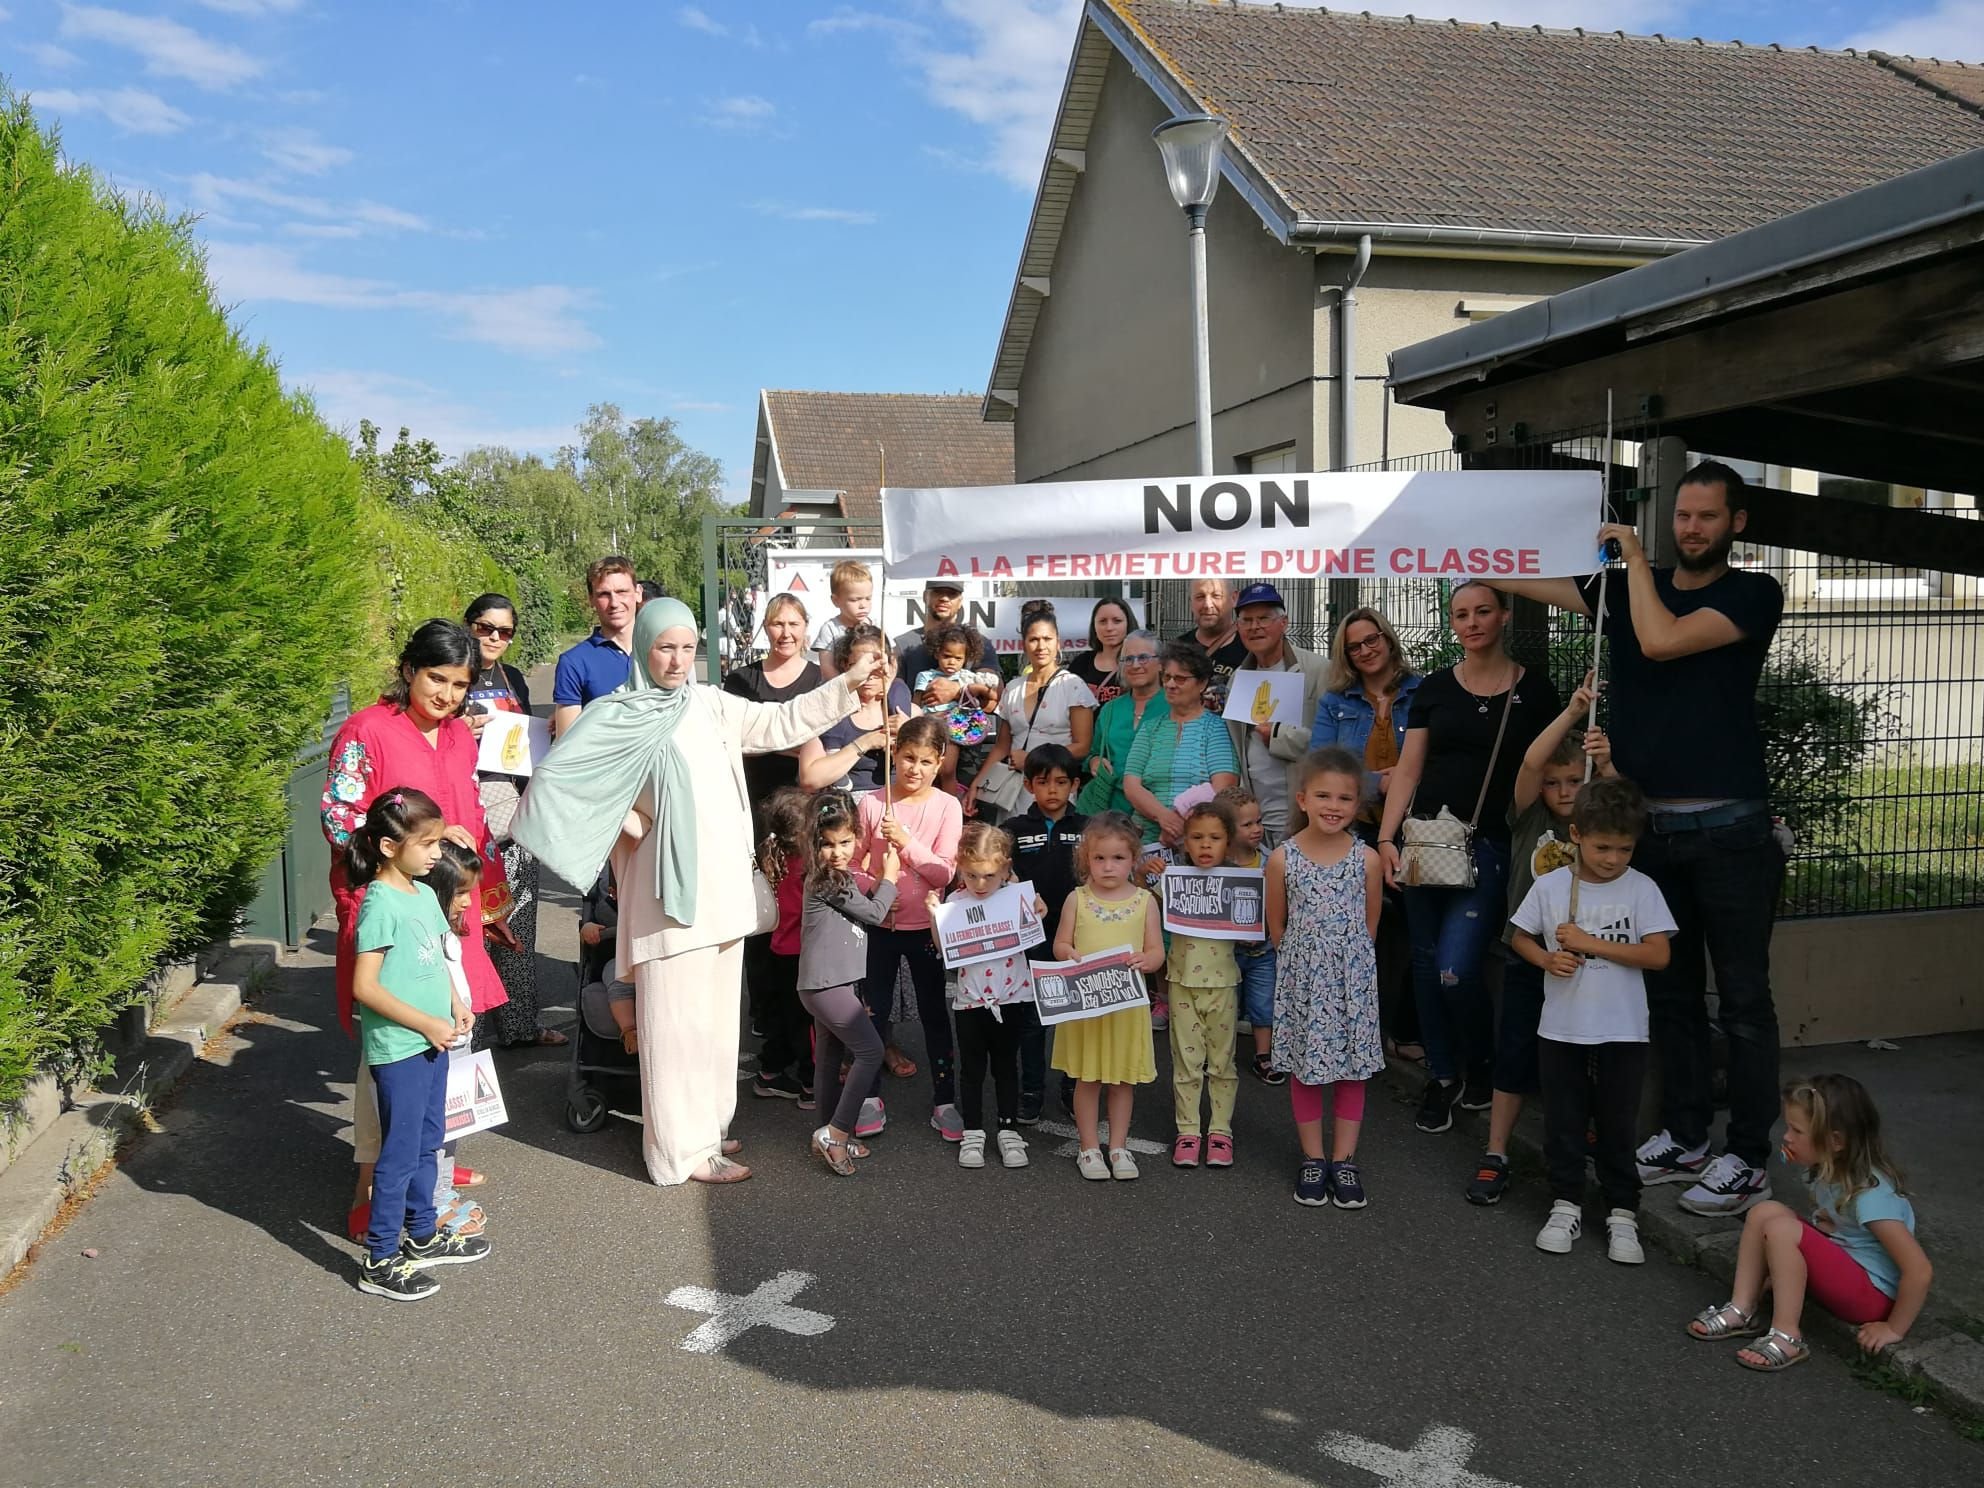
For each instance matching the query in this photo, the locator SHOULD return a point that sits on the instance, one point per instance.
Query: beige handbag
(1438, 851)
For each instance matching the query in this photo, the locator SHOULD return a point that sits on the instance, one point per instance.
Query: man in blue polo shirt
(598, 664)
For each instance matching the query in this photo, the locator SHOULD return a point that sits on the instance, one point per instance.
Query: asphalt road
(988, 1327)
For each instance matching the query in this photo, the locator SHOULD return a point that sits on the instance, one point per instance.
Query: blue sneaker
(1312, 1183)
(1346, 1186)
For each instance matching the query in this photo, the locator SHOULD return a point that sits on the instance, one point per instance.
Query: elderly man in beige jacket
(1267, 750)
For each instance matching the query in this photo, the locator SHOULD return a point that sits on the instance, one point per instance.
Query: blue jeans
(413, 1101)
(1450, 930)
(1257, 988)
(1722, 886)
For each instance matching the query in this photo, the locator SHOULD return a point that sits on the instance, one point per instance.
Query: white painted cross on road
(1437, 1460)
(766, 1307)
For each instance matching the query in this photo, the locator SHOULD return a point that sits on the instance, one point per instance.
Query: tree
(649, 492)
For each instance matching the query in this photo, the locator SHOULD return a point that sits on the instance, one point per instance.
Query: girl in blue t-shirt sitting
(1857, 1256)
(408, 1015)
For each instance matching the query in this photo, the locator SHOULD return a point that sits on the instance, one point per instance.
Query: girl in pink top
(923, 824)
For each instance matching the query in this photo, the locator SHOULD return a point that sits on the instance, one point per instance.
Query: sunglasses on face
(499, 632)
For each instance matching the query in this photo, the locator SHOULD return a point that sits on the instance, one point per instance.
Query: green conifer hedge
(178, 598)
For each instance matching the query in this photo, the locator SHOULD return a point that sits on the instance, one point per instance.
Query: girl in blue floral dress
(1324, 890)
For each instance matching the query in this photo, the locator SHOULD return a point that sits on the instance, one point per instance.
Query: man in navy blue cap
(1266, 751)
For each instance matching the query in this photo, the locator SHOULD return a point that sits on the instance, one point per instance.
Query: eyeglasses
(1179, 679)
(1141, 658)
(499, 632)
(1369, 643)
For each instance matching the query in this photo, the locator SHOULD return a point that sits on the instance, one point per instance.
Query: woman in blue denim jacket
(1369, 680)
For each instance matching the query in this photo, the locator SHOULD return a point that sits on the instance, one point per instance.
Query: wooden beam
(1900, 536)
(1803, 441)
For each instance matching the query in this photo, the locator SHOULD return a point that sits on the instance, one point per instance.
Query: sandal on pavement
(469, 1177)
(551, 1038)
(900, 1064)
(1219, 1150)
(1089, 1162)
(1726, 1321)
(731, 1146)
(1778, 1349)
(461, 1217)
(1122, 1166)
(720, 1170)
(834, 1154)
(1185, 1151)
(1264, 1071)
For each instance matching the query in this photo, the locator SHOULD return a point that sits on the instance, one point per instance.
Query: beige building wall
(1877, 976)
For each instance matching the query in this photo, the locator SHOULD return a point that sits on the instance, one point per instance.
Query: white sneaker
(1728, 1187)
(971, 1150)
(1089, 1163)
(1661, 1159)
(1561, 1230)
(1121, 1164)
(1012, 1148)
(1622, 1238)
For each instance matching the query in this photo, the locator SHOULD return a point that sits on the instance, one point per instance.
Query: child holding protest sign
(992, 1001)
(1203, 973)
(1256, 957)
(1107, 912)
(1325, 889)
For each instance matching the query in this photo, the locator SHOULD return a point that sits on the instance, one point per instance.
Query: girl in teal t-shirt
(408, 1016)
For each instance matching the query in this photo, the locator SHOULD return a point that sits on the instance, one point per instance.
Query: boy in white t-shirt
(853, 591)
(1594, 927)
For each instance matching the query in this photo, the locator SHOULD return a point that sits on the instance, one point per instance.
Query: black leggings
(887, 949)
(785, 1022)
(1597, 1085)
(984, 1040)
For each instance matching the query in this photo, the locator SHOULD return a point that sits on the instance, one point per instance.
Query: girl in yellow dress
(1108, 911)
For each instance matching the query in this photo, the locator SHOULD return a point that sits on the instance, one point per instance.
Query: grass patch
(1913, 841)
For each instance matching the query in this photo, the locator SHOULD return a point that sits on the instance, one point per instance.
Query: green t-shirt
(1539, 843)
(412, 931)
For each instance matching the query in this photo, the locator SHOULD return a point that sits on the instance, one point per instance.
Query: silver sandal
(834, 1154)
(1779, 1351)
(1726, 1321)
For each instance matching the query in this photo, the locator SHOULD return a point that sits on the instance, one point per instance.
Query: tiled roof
(843, 442)
(1352, 118)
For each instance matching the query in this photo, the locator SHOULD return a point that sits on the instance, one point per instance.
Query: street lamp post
(1191, 148)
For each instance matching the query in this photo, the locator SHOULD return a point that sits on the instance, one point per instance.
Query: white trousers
(687, 1008)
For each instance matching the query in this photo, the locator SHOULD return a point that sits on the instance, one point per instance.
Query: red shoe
(469, 1177)
(1185, 1151)
(359, 1220)
(1219, 1150)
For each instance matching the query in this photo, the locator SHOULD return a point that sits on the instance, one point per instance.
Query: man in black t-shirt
(1685, 648)
(1217, 633)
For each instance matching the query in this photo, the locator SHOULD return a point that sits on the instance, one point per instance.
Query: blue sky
(477, 218)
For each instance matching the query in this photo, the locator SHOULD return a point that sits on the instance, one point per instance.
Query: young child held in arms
(1113, 1050)
(833, 960)
(1256, 957)
(1539, 841)
(957, 651)
(986, 998)
(1045, 836)
(1594, 928)
(1203, 974)
(1858, 1257)
(853, 592)
(408, 1016)
(1324, 891)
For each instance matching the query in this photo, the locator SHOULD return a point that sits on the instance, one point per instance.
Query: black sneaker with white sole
(780, 1086)
(1476, 1095)
(395, 1278)
(1490, 1180)
(1661, 1159)
(1436, 1107)
(1030, 1103)
(444, 1249)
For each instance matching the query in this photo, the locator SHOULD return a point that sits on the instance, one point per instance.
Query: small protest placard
(1264, 697)
(1216, 903)
(475, 1100)
(512, 743)
(1088, 987)
(979, 929)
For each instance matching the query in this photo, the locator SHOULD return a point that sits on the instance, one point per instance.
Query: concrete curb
(1948, 1361)
(66, 1152)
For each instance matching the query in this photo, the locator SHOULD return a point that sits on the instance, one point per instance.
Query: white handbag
(764, 903)
(1437, 852)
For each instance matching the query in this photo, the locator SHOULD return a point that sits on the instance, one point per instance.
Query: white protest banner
(1254, 697)
(1433, 524)
(475, 1100)
(1088, 987)
(979, 929)
(808, 572)
(512, 743)
(1216, 903)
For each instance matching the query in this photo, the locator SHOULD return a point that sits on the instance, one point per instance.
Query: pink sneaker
(873, 1118)
(1185, 1151)
(948, 1121)
(1160, 1015)
(1219, 1150)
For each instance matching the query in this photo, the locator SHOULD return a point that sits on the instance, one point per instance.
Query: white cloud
(1953, 31)
(301, 151)
(534, 320)
(394, 402)
(168, 48)
(320, 229)
(745, 111)
(848, 19)
(252, 7)
(696, 19)
(853, 216)
(698, 405)
(131, 109)
(213, 193)
(51, 56)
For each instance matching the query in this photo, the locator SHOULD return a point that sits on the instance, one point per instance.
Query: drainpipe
(1346, 382)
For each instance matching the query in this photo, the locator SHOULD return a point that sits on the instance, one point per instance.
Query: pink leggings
(1307, 1100)
(1837, 1282)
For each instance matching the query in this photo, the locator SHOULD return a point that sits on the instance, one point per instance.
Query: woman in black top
(1446, 764)
(497, 687)
(1100, 666)
(786, 671)
(850, 755)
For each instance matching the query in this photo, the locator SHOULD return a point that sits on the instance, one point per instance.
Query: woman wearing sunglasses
(497, 687)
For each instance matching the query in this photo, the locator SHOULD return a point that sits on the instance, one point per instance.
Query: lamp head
(1191, 147)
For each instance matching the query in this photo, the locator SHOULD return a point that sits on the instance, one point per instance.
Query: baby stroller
(598, 1059)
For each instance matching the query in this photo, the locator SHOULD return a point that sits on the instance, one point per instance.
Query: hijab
(570, 818)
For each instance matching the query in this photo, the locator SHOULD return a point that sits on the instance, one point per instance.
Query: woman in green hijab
(652, 777)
